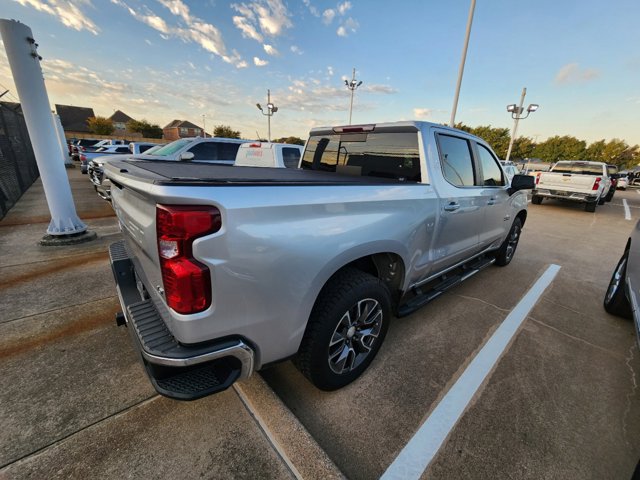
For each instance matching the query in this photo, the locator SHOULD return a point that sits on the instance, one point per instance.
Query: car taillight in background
(83, 158)
(538, 177)
(596, 184)
(187, 282)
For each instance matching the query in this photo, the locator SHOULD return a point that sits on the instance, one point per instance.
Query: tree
(148, 130)
(225, 131)
(561, 148)
(290, 140)
(100, 125)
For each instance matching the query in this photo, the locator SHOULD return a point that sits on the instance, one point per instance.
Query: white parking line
(416, 456)
(627, 212)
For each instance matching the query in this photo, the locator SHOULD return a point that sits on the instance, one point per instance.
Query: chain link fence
(18, 168)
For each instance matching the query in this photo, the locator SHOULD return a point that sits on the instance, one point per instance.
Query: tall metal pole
(204, 126)
(462, 62)
(62, 140)
(351, 87)
(269, 115)
(27, 75)
(515, 123)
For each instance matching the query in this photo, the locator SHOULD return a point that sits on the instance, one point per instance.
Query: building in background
(181, 129)
(74, 119)
(119, 120)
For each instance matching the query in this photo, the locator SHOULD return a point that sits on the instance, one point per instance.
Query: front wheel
(536, 199)
(615, 300)
(505, 253)
(347, 325)
(590, 206)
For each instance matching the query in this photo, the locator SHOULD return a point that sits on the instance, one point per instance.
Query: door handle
(492, 201)
(452, 207)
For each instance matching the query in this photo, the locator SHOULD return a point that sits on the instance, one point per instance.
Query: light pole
(271, 109)
(462, 62)
(204, 126)
(516, 114)
(352, 85)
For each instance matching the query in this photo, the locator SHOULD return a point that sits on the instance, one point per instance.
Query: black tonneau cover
(194, 173)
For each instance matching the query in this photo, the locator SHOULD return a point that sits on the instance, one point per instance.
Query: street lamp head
(270, 106)
(346, 82)
(359, 83)
(512, 108)
(259, 106)
(533, 107)
(274, 109)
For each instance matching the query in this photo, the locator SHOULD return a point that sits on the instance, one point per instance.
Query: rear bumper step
(184, 372)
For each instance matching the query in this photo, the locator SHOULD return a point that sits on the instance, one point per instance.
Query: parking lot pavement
(74, 399)
(562, 401)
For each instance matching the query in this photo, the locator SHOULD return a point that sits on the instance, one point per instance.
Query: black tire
(507, 250)
(332, 334)
(601, 200)
(610, 195)
(536, 199)
(590, 206)
(615, 299)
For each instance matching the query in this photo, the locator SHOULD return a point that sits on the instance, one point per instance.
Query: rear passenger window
(491, 172)
(123, 150)
(228, 151)
(290, 157)
(205, 151)
(456, 160)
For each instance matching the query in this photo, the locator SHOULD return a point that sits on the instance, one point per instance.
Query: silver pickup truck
(224, 270)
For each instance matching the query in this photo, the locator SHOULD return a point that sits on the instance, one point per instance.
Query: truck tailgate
(566, 182)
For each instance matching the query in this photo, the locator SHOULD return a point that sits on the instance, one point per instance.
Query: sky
(161, 60)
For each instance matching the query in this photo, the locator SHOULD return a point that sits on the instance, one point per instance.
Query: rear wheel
(346, 329)
(536, 199)
(601, 200)
(590, 206)
(610, 195)
(505, 253)
(615, 300)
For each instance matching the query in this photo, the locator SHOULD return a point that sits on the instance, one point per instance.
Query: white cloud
(262, 17)
(328, 15)
(343, 7)
(375, 88)
(147, 41)
(314, 11)
(188, 27)
(242, 64)
(69, 12)
(270, 50)
(572, 73)
(259, 62)
(330, 70)
(341, 31)
(295, 49)
(422, 113)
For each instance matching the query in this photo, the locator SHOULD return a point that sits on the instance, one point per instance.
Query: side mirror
(522, 182)
(186, 156)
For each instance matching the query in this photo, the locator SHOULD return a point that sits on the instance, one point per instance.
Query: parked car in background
(102, 143)
(612, 170)
(509, 168)
(622, 295)
(575, 180)
(86, 157)
(623, 182)
(198, 149)
(81, 143)
(265, 154)
(95, 168)
(136, 148)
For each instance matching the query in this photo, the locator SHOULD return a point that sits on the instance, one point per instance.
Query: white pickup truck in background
(579, 181)
(264, 154)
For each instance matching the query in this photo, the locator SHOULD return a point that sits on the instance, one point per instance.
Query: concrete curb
(295, 445)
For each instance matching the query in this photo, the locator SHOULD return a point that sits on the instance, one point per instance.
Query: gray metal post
(27, 74)
(462, 62)
(269, 113)
(62, 140)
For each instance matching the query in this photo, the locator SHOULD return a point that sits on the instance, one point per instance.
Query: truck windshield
(172, 147)
(386, 155)
(582, 168)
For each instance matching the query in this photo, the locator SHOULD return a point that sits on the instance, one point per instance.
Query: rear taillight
(596, 184)
(537, 178)
(82, 149)
(83, 158)
(187, 282)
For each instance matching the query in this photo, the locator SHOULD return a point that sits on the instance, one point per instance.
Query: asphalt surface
(561, 402)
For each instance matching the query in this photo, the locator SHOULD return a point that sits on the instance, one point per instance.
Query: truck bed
(194, 173)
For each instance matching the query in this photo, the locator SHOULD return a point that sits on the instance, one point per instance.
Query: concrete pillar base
(72, 239)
